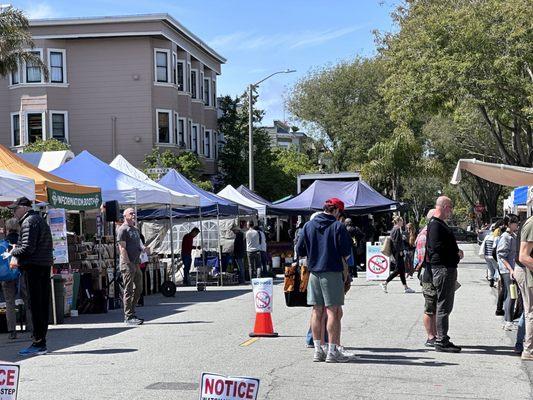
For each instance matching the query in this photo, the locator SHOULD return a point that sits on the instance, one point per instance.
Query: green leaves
(46, 145)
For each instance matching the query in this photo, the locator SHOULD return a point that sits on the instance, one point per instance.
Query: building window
(35, 127)
(214, 94)
(194, 143)
(207, 91)
(161, 63)
(164, 126)
(15, 77)
(215, 145)
(33, 71)
(59, 125)
(174, 68)
(189, 135)
(201, 93)
(189, 81)
(181, 75)
(15, 129)
(181, 132)
(207, 143)
(194, 84)
(56, 65)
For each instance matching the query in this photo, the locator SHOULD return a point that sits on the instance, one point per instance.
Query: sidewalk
(196, 332)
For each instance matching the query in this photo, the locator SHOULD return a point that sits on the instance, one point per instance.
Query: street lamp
(251, 124)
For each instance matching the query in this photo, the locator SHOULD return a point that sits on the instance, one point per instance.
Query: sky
(256, 37)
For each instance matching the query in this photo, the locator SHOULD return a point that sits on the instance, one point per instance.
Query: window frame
(194, 140)
(189, 134)
(25, 74)
(201, 86)
(183, 143)
(174, 68)
(207, 91)
(26, 125)
(208, 145)
(194, 95)
(21, 141)
(170, 127)
(183, 72)
(189, 78)
(168, 66)
(65, 121)
(63, 67)
(17, 74)
(214, 92)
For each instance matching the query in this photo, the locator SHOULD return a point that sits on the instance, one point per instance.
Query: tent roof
(507, 175)
(119, 186)
(123, 165)
(250, 199)
(48, 160)
(43, 180)
(358, 197)
(252, 195)
(13, 186)
(211, 204)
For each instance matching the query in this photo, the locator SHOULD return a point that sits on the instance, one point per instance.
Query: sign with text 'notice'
(219, 387)
(9, 381)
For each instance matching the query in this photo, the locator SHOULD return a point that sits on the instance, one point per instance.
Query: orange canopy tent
(56, 191)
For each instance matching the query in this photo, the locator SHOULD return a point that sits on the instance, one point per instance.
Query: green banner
(74, 201)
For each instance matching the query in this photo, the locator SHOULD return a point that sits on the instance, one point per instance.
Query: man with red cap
(325, 241)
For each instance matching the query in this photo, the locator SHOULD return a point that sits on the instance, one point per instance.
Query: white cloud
(39, 11)
(251, 41)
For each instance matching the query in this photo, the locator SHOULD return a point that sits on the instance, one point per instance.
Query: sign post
(377, 264)
(9, 381)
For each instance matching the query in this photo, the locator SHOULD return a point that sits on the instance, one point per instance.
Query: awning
(56, 191)
(502, 174)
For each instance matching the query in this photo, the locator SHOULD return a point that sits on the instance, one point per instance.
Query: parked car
(461, 235)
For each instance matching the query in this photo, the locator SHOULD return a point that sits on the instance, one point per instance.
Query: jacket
(239, 245)
(34, 247)
(441, 244)
(506, 250)
(325, 241)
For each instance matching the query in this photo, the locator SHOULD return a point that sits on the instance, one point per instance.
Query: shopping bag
(6, 273)
(295, 285)
(386, 248)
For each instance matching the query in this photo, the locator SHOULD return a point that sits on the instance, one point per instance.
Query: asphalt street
(98, 357)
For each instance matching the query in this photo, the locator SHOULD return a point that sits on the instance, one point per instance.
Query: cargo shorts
(430, 296)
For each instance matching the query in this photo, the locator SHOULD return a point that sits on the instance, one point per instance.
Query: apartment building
(116, 85)
(282, 136)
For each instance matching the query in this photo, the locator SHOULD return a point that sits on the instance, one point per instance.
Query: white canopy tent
(13, 186)
(230, 193)
(48, 160)
(502, 174)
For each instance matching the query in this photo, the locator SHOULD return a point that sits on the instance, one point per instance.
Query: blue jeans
(240, 265)
(521, 334)
(309, 337)
(492, 267)
(187, 261)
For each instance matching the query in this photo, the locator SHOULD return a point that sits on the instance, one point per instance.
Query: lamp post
(251, 124)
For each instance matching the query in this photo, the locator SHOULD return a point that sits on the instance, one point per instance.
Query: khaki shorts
(325, 289)
(430, 296)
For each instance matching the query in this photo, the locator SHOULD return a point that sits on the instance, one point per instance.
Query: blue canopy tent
(520, 195)
(358, 197)
(211, 205)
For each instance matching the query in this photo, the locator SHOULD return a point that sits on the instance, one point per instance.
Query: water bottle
(514, 291)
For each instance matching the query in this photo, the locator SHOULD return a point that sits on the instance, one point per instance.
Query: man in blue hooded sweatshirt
(325, 241)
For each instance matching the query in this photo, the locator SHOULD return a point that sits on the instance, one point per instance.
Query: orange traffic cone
(263, 326)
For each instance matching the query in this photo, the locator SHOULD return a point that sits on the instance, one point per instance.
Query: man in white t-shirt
(253, 249)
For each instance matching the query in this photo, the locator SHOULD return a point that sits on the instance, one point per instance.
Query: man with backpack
(523, 275)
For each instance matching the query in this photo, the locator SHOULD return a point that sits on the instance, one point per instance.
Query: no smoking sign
(378, 264)
(262, 299)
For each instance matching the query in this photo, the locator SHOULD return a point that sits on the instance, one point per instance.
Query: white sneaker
(409, 290)
(345, 352)
(336, 357)
(384, 287)
(508, 326)
(319, 355)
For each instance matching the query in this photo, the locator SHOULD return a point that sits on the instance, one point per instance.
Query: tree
(342, 104)
(288, 164)
(187, 163)
(450, 52)
(233, 159)
(46, 145)
(15, 40)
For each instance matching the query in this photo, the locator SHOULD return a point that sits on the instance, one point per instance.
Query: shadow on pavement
(89, 327)
(388, 350)
(399, 360)
(100, 351)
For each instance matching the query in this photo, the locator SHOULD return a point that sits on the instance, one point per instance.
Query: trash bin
(59, 291)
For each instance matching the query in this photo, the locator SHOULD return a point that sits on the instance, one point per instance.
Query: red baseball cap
(337, 203)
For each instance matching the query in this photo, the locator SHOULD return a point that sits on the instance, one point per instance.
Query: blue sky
(257, 38)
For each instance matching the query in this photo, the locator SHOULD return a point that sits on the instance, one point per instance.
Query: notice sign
(219, 387)
(377, 264)
(263, 294)
(9, 381)
(57, 219)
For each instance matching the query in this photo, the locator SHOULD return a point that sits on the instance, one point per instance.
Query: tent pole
(171, 246)
(219, 248)
(201, 245)
(278, 230)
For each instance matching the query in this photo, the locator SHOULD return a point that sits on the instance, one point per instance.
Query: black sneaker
(430, 342)
(500, 312)
(447, 347)
(491, 282)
